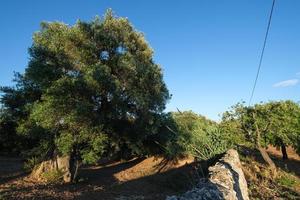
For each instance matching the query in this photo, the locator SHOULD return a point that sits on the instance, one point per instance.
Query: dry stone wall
(226, 181)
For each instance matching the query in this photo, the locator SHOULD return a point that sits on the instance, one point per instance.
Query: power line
(262, 53)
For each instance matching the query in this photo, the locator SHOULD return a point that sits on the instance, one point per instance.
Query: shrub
(195, 135)
(204, 146)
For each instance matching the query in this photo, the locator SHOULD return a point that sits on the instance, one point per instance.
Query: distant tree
(275, 123)
(253, 122)
(94, 88)
(231, 126)
(284, 128)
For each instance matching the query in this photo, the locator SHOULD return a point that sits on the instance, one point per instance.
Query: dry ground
(262, 184)
(150, 178)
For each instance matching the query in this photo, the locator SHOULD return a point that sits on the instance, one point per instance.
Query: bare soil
(150, 178)
(291, 165)
(146, 179)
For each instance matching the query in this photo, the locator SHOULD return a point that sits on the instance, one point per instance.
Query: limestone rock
(226, 181)
(58, 163)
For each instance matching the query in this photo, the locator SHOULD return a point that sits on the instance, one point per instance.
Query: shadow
(97, 182)
(165, 164)
(95, 178)
(290, 165)
(162, 165)
(103, 176)
(165, 181)
(155, 186)
(236, 178)
(9, 178)
(11, 168)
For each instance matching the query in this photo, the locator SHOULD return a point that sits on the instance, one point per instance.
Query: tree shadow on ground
(15, 176)
(105, 174)
(95, 179)
(11, 169)
(155, 186)
(290, 165)
(100, 182)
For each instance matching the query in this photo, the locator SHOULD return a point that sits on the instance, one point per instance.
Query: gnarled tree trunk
(264, 153)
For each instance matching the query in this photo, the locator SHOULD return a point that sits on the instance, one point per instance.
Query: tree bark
(283, 150)
(76, 171)
(266, 157)
(263, 152)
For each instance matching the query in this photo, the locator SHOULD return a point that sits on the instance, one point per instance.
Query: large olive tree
(94, 87)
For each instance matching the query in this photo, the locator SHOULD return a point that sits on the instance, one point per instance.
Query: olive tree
(284, 128)
(275, 123)
(95, 89)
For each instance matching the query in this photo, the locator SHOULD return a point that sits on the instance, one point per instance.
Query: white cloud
(286, 83)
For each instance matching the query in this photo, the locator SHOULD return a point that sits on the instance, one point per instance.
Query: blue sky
(208, 49)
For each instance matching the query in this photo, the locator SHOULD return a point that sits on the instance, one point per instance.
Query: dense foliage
(195, 135)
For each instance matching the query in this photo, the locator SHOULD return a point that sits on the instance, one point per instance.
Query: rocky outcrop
(59, 163)
(226, 181)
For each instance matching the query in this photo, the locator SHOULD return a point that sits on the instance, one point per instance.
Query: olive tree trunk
(283, 150)
(264, 153)
(67, 165)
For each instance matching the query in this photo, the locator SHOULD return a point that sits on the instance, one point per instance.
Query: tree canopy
(89, 89)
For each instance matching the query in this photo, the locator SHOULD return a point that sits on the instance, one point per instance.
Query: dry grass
(263, 185)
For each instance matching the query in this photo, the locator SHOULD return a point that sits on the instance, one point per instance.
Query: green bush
(204, 146)
(195, 135)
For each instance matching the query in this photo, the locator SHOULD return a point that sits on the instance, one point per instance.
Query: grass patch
(288, 180)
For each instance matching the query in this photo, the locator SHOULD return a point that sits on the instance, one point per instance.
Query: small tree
(254, 123)
(275, 123)
(284, 128)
